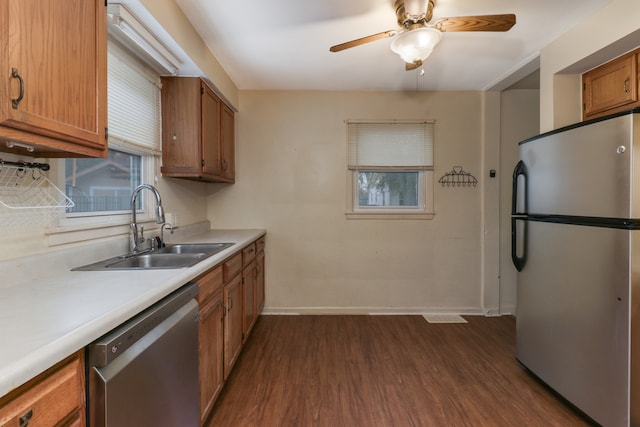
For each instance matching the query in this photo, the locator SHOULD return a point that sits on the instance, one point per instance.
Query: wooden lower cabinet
(233, 336)
(54, 398)
(211, 340)
(259, 282)
(231, 297)
(249, 294)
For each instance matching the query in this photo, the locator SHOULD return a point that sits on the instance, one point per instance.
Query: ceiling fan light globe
(417, 44)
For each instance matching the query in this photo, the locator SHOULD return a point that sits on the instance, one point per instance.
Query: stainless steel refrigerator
(576, 244)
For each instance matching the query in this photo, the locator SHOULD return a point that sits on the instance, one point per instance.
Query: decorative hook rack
(457, 177)
(42, 166)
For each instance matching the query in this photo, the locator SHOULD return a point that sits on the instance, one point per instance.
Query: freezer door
(585, 171)
(573, 316)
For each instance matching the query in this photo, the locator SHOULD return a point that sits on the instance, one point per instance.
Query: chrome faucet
(137, 238)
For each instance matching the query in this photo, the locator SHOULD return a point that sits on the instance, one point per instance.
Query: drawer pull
(16, 102)
(24, 420)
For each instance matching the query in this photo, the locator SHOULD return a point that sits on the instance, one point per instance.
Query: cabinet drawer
(209, 284)
(260, 243)
(248, 254)
(48, 399)
(232, 267)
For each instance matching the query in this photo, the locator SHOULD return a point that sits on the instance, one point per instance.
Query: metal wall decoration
(457, 177)
(26, 195)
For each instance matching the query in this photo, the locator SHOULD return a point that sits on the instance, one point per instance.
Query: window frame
(111, 223)
(425, 208)
(147, 174)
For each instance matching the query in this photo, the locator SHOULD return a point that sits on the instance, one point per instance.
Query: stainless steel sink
(193, 248)
(156, 260)
(171, 256)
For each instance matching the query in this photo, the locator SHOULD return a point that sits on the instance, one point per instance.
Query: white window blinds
(133, 101)
(379, 145)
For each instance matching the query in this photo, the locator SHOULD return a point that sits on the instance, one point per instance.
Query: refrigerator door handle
(519, 171)
(519, 261)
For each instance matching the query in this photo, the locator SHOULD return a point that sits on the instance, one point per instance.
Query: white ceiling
(284, 44)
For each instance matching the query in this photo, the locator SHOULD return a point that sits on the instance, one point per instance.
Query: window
(99, 185)
(103, 187)
(390, 169)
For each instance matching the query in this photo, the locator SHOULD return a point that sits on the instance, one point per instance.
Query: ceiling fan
(418, 36)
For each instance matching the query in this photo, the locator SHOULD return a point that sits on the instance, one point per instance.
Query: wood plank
(385, 371)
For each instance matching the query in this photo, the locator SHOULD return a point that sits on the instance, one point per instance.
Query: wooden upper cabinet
(611, 87)
(53, 83)
(211, 166)
(197, 142)
(228, 143)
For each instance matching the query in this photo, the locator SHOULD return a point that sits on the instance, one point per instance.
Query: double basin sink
(171, 256)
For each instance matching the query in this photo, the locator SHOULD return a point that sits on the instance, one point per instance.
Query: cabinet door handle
(626, 85)
(224, 165)
(230, 304)
(24, 420)
(16, 74)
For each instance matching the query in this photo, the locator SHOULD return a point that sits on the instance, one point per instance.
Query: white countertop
(48, 312)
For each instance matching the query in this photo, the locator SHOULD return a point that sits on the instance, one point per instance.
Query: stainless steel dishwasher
(145, 372)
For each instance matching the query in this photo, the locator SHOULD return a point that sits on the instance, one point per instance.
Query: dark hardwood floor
(344, 371)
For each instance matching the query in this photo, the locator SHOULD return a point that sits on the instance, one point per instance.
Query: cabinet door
(610, 87)
(210, 132)
(197, 143)
(181, 110)
(227, 143)
(54, 398)
(211, 338)
(259, 283)
(54, 77)
(249, 289)
(232, 323)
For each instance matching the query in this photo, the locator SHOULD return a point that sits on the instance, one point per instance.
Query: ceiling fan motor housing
(418, 11)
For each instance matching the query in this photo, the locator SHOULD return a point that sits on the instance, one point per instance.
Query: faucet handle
(153, 245)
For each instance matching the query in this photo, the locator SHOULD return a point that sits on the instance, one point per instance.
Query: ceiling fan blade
(477, 23)
(363, 40)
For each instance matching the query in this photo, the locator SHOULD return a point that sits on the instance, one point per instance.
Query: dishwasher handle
(107, 348)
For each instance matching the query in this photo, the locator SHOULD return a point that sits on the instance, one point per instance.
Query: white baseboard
(418, 311)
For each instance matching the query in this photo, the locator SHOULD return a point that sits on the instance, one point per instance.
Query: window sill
(389, 215)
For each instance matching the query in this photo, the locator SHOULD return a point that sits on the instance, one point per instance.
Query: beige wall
(291, 180)
(609, 33)
(169, 15)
